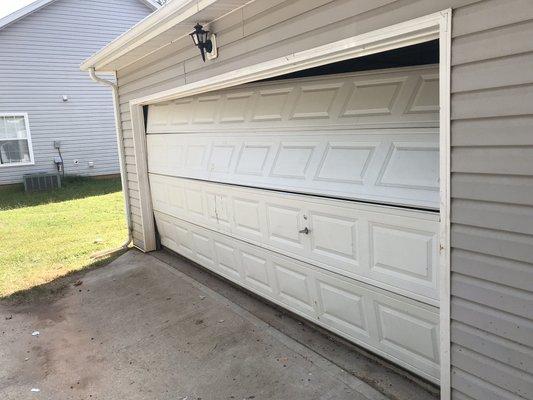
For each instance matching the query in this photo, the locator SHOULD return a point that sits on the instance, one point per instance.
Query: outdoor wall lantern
(205, 41)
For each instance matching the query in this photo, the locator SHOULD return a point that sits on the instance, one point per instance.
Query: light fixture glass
(200, 38)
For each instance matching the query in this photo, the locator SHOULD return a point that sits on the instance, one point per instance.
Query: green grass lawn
(47, 235)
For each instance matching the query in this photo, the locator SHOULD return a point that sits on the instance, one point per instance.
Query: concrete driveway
(143, 329)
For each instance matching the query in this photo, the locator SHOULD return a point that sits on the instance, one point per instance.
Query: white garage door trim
(419, 30)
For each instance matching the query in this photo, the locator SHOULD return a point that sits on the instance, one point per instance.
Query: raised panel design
(195, 201)
(255, 271)
(183, 240)
(246, 215)
(195, 156)
(399, 251)
(203, 246)
(407, 333)
(292, 160)
(426, 95)
(372, 98)
(342, 308)
(206, 109)
(315, 101)
(218, 206)
(411, 165)
(253, 158)
(388, 247)
(235, 107)
(334, 236)
(396, 167)
(159, 116)
(284, 224)
(227, 258)
(180, 112)
(221, 157)
(390, 325)
(160, 195)
(157, 145)
(346, 162)
(270, 104)
(176, 197)
(293, 286)
(379, 99)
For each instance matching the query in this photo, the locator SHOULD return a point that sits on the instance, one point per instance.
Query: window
(15, 140)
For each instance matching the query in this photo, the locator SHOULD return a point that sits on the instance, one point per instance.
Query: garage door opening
(317, 188)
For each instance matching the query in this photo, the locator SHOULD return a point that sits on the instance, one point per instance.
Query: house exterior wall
(492, 154)
(39, 63)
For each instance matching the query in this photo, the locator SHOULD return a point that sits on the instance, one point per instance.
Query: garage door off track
(319, 194)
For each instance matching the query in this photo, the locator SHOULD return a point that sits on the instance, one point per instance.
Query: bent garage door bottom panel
(393, 326)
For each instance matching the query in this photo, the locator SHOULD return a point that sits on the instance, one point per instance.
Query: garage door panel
(389, 247)
(346, 161)
(408, 334)
(227, 259)
(247, 217)
(334, 236)
(399, 167)
(396, 327)
(411, 165)
(395, 98)
(341, 308)
(294, 286)
(398, 251)
(256, 269)
(282, 221)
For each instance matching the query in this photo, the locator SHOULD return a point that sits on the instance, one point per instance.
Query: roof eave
(137, 34)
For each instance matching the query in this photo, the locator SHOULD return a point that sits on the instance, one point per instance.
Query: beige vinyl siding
(492, 206)
(492, 154)
(40, 56)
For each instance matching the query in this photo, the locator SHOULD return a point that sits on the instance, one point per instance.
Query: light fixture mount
(205, 41)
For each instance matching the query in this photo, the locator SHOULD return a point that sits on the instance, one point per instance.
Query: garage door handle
(305, 231)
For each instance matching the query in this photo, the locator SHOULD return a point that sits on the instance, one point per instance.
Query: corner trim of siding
(445, 45)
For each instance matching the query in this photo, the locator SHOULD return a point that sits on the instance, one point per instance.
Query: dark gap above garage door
(418, 54)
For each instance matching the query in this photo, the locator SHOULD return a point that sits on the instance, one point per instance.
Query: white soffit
(171, 22)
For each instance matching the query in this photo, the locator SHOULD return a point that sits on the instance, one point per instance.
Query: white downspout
(122, 159)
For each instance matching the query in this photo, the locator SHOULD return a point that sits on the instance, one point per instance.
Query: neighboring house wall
(39, 63)
(492, 154)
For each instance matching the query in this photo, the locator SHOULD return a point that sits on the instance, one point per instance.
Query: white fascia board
(174, 13)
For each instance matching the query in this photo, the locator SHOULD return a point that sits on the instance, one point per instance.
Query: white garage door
(258, 184)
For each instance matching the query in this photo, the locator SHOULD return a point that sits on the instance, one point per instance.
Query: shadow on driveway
(141, 329)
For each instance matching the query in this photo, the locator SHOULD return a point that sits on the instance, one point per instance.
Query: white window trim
(28, 138)
(433, 26)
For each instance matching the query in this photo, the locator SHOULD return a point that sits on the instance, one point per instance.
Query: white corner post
(430, 27)
(141, 161)
(445, 43)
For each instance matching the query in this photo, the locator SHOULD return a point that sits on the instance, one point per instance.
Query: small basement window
(15, 140)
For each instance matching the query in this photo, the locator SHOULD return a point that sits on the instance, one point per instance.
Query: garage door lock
(305, 231)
